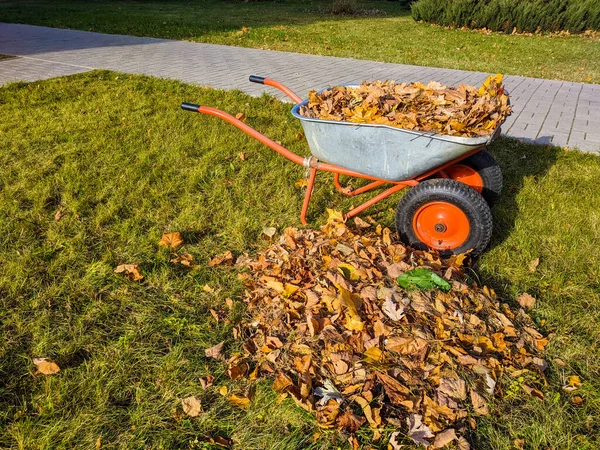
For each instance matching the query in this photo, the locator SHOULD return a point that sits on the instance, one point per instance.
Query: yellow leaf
(223, 390)
(289, 290)
(351, 302)
(334, 216)
(373, 354)
(239, 401)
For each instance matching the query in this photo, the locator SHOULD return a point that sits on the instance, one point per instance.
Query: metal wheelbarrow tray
(382, 151)
(451, 178)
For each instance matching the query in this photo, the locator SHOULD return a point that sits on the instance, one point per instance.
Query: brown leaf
(206, 381)
(184, 259)
(453, 387)
(532, 266)
(46, 366)
(242, 156)
(444, 438)
(215, 351)
(59, 215)
(350, 422)
(480, 406)
(241, 116)
(526, 301)
(131, 270)
(225, 258)
(191, 406)
(172, 240)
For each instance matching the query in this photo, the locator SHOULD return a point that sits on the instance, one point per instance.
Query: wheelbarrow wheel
(481, 172)
(445, 215)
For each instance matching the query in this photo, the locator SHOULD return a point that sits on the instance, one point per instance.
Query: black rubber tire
(467, 199)
(490, 173)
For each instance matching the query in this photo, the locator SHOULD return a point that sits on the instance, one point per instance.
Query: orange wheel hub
(441, 225)
(466, 175)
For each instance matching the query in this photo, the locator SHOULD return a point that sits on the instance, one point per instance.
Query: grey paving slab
(545, 111)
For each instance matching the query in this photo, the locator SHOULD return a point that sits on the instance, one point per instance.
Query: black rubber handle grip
(256, 79)
(190, 107)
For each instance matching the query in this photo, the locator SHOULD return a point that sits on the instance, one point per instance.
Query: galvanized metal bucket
(382, 151)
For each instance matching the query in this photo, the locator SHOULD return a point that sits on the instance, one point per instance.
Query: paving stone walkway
(545, 111)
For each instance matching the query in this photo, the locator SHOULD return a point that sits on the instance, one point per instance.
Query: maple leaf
(171, 240)
(46, 366)
(526, 301)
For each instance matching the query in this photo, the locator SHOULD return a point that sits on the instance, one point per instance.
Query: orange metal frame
(313, 164)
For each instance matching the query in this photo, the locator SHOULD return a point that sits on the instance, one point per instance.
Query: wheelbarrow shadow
(519, 161)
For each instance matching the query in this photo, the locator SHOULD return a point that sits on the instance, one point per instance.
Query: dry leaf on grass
(239, 400)
(215, 351)
(46, 366)
(241, 116)
(131, 270)
(225, 258)
(345, 342)
(171, 240)
(532, 266)
(191, 406)
(526, 301)
(185, 259)
(59, 215)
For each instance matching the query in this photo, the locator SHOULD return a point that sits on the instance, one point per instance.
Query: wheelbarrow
(453, 180)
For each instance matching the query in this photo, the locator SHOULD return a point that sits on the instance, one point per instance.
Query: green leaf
(423, 279)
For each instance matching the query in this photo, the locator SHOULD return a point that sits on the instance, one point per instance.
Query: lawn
(95, 167)
(305, 26)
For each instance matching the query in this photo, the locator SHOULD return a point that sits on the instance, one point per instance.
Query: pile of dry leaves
(462, 111)
(328, 322)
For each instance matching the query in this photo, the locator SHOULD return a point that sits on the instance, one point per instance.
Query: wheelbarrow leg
(309, 190)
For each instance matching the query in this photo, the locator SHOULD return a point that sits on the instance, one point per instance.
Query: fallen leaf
(242, 156)
(215, 351)
(573, 383)
(206, 381)
(532, 266)
(191, 406)
(393, 310)
(239, 400)
(417, 430)
(526, 301)
(131, 270)
(59, 215)
(269, 231)
(241, 116)
(328, 392)
(480, 406)
(225, 258)
(184, 259)
(444, 438)
(46, 366)
(172, 240)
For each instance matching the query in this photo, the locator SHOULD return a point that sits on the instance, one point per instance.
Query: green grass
(6, 57)
(305, 26)
(116, 154)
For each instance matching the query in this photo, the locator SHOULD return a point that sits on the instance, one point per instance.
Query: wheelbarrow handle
(190, 107)
(276, 84)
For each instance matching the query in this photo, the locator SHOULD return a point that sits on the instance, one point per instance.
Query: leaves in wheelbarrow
(422, 278)
(461, 111)
(338, 336)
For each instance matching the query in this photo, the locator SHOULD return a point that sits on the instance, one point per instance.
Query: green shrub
(505, 15)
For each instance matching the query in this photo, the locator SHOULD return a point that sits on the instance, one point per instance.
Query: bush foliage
(506, 15)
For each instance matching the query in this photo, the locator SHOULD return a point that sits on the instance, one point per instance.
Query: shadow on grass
(518, 162)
